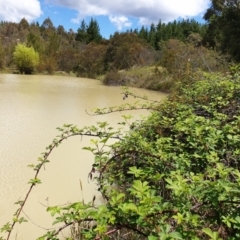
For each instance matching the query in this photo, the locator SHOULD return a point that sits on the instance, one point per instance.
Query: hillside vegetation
(181, 47)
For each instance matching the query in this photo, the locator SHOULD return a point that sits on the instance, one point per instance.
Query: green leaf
(6, 227)
(211, 234)
(175, 235)
(54, 210)
(21, 220)
(34, 181)
(132, 207)
(152, 238)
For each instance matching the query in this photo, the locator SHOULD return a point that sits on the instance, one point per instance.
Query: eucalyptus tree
(23, 24)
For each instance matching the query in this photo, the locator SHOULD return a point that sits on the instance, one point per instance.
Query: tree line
(88, 54)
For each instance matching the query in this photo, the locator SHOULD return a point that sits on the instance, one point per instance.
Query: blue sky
(112, 15)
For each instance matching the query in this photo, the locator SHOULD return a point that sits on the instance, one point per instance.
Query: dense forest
(178, 47)
(62, 50)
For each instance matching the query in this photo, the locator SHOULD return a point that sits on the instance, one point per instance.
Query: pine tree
(152, 36)
(93, 31)
(82, 34)
(143, 33)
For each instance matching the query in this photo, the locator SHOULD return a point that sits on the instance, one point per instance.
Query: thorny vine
(102, 131)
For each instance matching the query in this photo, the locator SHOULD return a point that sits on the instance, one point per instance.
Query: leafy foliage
(26, 58)
(91, 61)
(184, 59)
(223, 17)
(126, 50)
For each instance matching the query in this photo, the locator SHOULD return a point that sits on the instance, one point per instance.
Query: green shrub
(188, 154)
(26, 58)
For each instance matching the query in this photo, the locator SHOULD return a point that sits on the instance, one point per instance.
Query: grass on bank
(150, 77)
(154, 78)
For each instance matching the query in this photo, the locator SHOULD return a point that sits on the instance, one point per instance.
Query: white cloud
(146, 11)
(15, 10)
(120, 21)
(119, 11)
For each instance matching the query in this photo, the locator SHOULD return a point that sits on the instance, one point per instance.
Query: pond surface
(31, 108)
